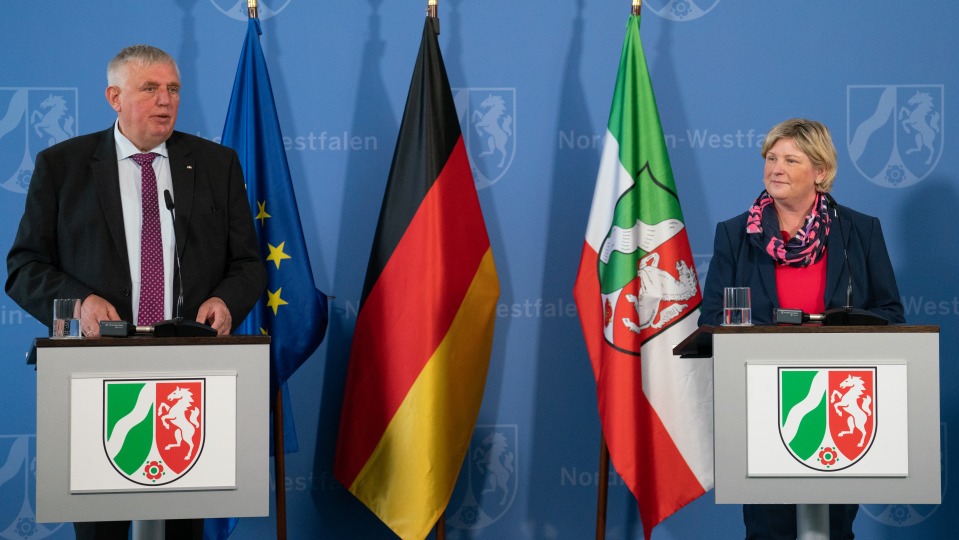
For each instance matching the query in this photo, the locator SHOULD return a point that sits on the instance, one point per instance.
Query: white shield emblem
(237, 9)
(487, 483)
(18, 519)
(895, 132)
(680, 10)
(32, 119)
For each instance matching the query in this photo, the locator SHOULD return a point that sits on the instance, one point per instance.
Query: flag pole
(602, 498)
(279, 463)
(603, 481)
(431, 14)
(279, 451)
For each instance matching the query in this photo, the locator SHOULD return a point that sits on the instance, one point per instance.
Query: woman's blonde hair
(813, 139)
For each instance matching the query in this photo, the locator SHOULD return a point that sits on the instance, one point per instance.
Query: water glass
(737, 307)
(66, 318)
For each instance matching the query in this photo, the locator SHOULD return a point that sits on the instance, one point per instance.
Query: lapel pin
(189, 167)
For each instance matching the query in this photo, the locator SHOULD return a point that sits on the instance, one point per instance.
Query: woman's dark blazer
(737, 263)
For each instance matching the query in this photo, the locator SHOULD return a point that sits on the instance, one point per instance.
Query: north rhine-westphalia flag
(292, 311)
(638, 297)
(421, 348)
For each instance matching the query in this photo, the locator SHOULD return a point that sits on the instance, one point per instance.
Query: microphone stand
(177, 326)
(176, 249)
(847, 315)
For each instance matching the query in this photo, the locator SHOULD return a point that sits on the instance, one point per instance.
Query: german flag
(423, 335)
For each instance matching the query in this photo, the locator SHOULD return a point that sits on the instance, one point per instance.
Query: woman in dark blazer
(796, 249)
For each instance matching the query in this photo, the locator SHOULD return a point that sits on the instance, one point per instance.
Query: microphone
(794, 316)
(176, 249)
(831, 317)
(168, 328)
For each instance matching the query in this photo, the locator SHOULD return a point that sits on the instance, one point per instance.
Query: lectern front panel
(116, 420)
(899, 461)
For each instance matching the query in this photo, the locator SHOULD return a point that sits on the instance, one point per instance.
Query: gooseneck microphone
(845, 250)
(176, 249)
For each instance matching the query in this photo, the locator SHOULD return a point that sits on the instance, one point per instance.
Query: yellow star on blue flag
(276, 254)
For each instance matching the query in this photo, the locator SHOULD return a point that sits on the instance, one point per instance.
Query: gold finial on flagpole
(251, 7)
(637, 5)
(431, 9)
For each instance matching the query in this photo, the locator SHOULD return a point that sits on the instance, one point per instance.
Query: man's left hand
(215, 313)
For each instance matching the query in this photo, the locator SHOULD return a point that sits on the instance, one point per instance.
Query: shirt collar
(125, 148)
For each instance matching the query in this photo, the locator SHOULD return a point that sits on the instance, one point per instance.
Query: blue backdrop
(724, 71)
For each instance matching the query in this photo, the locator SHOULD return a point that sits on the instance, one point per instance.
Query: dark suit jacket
(737, 263)
(71, 242)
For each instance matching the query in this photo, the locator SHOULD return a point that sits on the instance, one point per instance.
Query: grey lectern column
(812, 522)
(148, 529)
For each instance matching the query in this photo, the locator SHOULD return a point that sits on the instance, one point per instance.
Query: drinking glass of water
(737, 307)
(66, 318)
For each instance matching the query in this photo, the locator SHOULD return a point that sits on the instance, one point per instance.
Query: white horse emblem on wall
(922, 120)
(493, 124)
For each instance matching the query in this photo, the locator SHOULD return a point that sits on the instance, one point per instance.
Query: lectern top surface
(139, 341)
(699, 344)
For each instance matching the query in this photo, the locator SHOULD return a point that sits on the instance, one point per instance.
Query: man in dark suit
(80, 235)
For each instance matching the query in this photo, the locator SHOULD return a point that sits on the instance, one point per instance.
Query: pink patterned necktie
(151, 245)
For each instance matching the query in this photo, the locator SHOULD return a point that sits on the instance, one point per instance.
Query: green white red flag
(638, 297)
(424, 331)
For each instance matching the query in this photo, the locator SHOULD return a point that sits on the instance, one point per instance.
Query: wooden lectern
(146, 428)
(819, 415)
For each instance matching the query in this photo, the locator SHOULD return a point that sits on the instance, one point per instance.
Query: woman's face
(790, 176)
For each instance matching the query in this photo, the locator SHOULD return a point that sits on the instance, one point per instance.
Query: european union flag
(293, 311)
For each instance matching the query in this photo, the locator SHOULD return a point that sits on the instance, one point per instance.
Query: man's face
(146, 103)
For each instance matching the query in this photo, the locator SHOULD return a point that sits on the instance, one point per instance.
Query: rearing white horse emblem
(184, 427)
(856, 405)
(922, 121)
(495, 126)
(495, 461)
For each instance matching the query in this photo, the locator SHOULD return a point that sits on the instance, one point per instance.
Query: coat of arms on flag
(827, 416)
(153, 430)
(645, 279)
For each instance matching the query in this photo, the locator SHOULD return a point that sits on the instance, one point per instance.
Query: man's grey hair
(137, 55)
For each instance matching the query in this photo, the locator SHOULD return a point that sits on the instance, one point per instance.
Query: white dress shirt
(130, 195)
